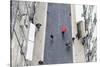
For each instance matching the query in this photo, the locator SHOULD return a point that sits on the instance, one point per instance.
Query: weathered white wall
(79, 12)
(40, 17)
(78, 48)
(73, 17)
(93, 40)
(20, 17)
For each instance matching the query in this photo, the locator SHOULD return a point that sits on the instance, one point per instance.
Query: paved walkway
(56, 51)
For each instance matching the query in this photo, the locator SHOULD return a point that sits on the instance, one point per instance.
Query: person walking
(67, 44)
(40, 62)
(73, 38)
(63, 30)
(52, 37)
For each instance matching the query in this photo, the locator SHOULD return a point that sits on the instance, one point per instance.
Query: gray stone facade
(22, 14)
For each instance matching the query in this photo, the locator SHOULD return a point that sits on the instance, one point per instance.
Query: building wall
(78, 48)
(92, 38)
(85, 16)
(88, 28)
(22, 13)
(80, 18)
(19, 30)
(74, 24)
(40, 17)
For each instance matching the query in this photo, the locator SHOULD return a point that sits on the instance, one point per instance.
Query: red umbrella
(64, 28)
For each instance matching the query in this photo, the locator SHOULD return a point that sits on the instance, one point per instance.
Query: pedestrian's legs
(63, 35)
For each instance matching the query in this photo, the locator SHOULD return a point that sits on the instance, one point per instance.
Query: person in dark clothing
(63, 30)
(73, 39)
(38, 25)
(40, 62)
(62, 34)
(51, 36)
(67, 44)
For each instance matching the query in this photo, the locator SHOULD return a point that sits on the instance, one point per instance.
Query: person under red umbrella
(63, 30)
